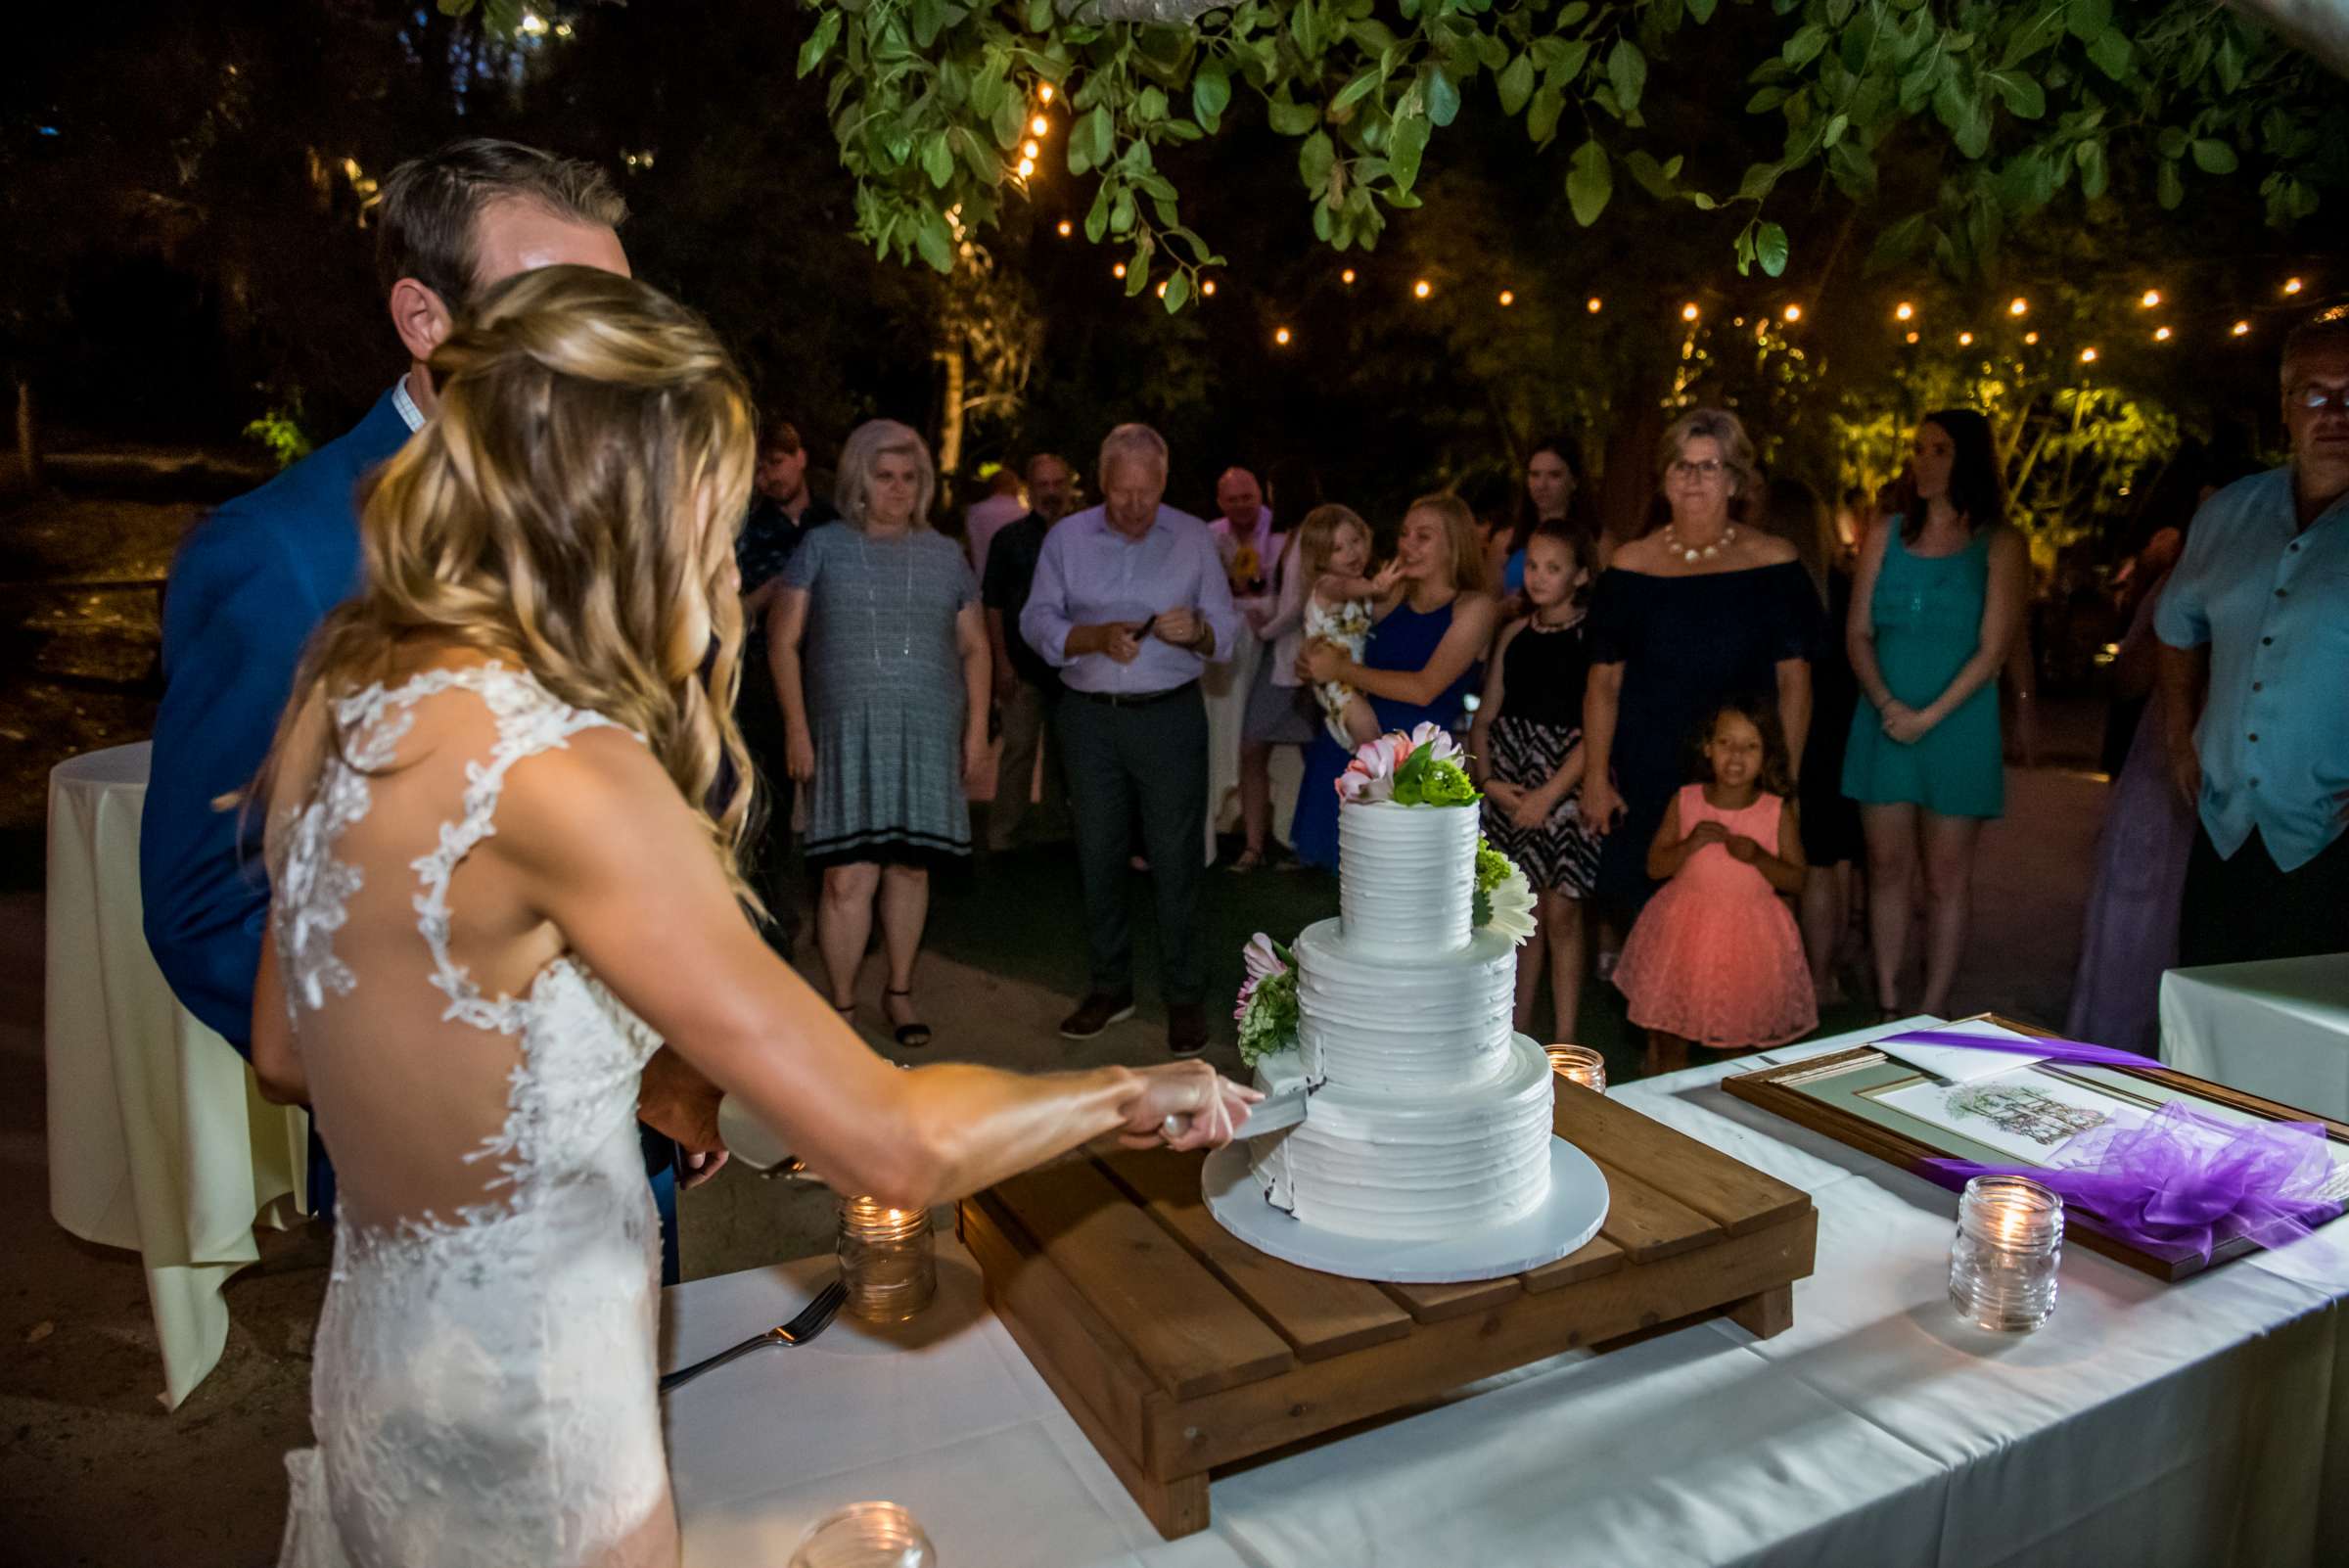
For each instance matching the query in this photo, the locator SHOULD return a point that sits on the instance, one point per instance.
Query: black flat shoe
(909, 1036)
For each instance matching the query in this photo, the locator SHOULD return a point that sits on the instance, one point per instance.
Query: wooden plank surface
(1182, 1323)
(1595, 1256)
(1726, 1190)
(1317, 1396)
(1433, 1304)
(1319, 1315)
(1648, 1224)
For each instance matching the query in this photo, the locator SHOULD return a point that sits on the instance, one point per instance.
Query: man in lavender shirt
(1130, 605)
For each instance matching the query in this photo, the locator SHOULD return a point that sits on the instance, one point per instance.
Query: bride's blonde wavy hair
(572, 507)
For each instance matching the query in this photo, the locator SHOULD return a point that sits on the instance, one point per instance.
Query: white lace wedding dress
(483, 1389)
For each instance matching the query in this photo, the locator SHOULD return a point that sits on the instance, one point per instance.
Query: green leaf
(1096, 221)
(820, 42)
(2111, 53)
(938, 160)
(1316, 157)
(1541, 114)
(1771, 248)
(1150, 105)
(1304, 26)
(1516, 84)
(1291, 118)
(1897, 243)
(1443, 97)
(1651, 174)
(1211, 93)
(1836, 126)
(1626, 72)
(1040, 16)
(2094, 176)
(1178, 290)
(1768, 99)
(1353, 92)
(1098, 132)
(2214, 156)
(935, 241)
(1589, 183)
(1701, 11)
(2024, 97)
(2169, 189)
(2088, 19)
(1406, 148)
(1757, 182)
(1805, 46)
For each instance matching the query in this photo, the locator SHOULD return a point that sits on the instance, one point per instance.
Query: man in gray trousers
(1130, 604)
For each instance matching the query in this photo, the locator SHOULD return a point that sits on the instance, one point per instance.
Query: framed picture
(2016, 1117)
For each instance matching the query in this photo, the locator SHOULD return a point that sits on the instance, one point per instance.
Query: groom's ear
(420, 316)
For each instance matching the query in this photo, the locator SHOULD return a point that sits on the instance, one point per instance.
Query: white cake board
(1577, 1206)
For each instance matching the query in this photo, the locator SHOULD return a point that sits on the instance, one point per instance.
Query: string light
(1044, 92)
(1067, 228)
(2031, 338)
(2088, 356)
(1913, 337)
(1688, 311)
(1039, 125)
(2017, 305)
(2241, 329)
(1594, 304)
(1508, 298)
(1966, 339)
(1281, 337)
(1422, 288)
(1162, 291)
(2161, 335)
(1118, 271)
(1026, 167)
(1903, 311)
(1207, 288)
(2291, 285)
(2149, 299)
(1346, 277)
(1793, 313)
(1030, 151)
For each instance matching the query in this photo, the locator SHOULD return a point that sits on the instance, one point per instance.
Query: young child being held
(1333, 546)
(1716, 956)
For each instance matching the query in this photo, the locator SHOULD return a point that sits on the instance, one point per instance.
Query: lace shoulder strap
(529, 719)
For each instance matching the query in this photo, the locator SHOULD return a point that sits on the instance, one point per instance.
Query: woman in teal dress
(1935, 609)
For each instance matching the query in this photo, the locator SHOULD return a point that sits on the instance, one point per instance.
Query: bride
(505, 871)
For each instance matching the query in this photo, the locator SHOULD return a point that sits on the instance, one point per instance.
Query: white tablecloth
(1225, 687)
(2278, 1028)
(158, 1137)
(2148, 1424)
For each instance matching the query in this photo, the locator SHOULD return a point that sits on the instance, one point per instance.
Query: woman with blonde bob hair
(504, 871)
(1425, 654)
(1701, 611)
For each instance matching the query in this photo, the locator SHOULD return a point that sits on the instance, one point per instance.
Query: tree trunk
(28, 435)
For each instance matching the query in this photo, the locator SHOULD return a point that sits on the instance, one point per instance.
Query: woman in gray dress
(881, 660)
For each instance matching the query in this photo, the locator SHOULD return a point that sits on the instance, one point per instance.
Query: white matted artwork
(2026, 1115)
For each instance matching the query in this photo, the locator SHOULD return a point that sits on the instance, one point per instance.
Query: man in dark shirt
(783, 511)
(1027, 688)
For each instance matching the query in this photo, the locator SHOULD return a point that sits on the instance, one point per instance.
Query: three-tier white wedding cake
(1430, 1115)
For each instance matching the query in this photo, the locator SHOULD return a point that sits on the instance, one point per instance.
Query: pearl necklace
(1692, 555)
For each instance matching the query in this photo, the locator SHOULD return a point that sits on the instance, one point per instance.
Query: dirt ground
(93, 1471)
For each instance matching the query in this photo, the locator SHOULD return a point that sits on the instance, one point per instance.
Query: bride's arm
(610, 854)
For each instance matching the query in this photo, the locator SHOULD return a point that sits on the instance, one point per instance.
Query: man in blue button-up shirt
(1130, 605)
(2257, 612)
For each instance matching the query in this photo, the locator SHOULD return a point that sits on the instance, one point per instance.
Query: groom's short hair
(428, 227)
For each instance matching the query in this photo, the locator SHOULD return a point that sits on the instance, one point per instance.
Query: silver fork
(812, 1320)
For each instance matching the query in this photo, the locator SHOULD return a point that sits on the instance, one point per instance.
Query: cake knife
(1274, 1113)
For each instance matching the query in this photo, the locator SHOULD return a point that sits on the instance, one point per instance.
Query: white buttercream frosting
(1407, 876)
(1410, 1166)
(1385, 1023)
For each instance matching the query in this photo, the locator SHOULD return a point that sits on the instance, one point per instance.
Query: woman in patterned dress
(882, 663)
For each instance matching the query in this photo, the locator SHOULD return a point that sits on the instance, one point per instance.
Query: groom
(255, 577)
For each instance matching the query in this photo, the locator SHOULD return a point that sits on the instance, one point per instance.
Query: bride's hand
(1207, 1105)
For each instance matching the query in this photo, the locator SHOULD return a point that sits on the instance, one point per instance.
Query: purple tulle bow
(2180, 1184)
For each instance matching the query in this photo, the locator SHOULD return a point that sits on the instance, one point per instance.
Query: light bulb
(1039, 125)
(1026, 167)
(1508, 298)
(1594, 304)
(1688, 311)
(2291, 285)
(2241, 329)
(1966, 339)
(1207, 288)
(1913, 337)
(1118, 271)
(1030, 151)
(2088, 356)
(1903, 311)
(1281, 337)
(2017, 305)
(2161, 335)
(1044, 92)
(2149, 299)
(1162, 291)
(2031, 338)
(1067, 228)
(1793, 312)
(1422, 288)
(1346, 277)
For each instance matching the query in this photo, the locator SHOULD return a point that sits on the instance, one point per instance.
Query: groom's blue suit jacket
(250, 584)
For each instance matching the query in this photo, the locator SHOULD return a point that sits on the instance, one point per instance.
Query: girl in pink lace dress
(1716, 956)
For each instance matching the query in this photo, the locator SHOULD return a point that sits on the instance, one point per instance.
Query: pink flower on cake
(1370, 776)
(1441, 747)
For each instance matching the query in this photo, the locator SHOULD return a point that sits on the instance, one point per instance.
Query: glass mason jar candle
(865, 1535)
(2004, 1258)
(1579, 1064)
(887, 1259)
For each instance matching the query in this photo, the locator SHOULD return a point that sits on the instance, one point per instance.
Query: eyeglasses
(2317, 398)
(1708, 470)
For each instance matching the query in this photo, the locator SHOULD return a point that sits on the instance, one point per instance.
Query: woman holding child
(1431, 621)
